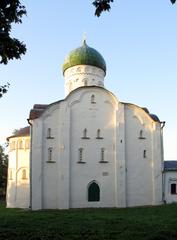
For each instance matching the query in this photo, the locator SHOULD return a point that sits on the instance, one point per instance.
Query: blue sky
(138, 40)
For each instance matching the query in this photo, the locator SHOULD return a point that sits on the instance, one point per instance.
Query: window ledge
(81, 162)
(85, 138)
(103, 161)
(50, 162)
(142, 138)
(49, 137)
(99, 137)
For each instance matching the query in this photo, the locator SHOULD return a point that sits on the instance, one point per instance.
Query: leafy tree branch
(105, 5)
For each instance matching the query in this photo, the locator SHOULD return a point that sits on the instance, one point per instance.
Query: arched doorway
(93, 192)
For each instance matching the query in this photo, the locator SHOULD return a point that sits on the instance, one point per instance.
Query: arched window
(24, 174)
(20, 144)
(141, 134)
(80, 154)
(144, 154)
(27, 144)
(85, 82)
(85, 134)
(93, 99)
(49, 132)
(102, 154)
(50, 154)
(99, 134)
(93, 192)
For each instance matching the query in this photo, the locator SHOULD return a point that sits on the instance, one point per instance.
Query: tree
(104, 5)
(3, 172)
(4, 89)
(11, 11)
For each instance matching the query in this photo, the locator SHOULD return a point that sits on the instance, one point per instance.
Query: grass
(147, 223)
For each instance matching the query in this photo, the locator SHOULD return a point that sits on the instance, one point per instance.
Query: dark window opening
(80, 160)
(93, 192)
(50, 154)
(24, 174)
(141, 135)
(144, 154)
(93, 99)
(173, 188)
(99, 134)
(85, 134)
(49, 133)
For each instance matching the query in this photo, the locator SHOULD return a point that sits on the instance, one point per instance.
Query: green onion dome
(84, 55)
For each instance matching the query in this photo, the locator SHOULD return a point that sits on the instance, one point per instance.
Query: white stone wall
(36, 164)
(170, 177)
(92, 116)
(83, 75)
(18, 189)
(50, 177)
(143, 158)
(128, 177)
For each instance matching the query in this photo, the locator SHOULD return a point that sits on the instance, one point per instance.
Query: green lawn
(147, 223)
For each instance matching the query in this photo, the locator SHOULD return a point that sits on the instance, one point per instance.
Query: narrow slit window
(85, 134)
(85, 82)
(27, 144)
(49, 132)
(141, 135)
(102, 154)
(99, 134)
(80, 154)
(50, 151)
(144, 153)
(93, 99)
(20, 144)
(24, 174)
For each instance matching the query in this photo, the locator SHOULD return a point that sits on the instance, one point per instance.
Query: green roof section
(84, 55)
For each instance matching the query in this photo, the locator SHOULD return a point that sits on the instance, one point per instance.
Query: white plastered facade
(18, 180)
(130, 173)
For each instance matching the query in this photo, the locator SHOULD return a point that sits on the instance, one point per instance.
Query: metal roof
(170, 165)
(84, 55)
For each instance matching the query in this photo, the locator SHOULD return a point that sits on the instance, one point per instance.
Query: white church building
(87, 150)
